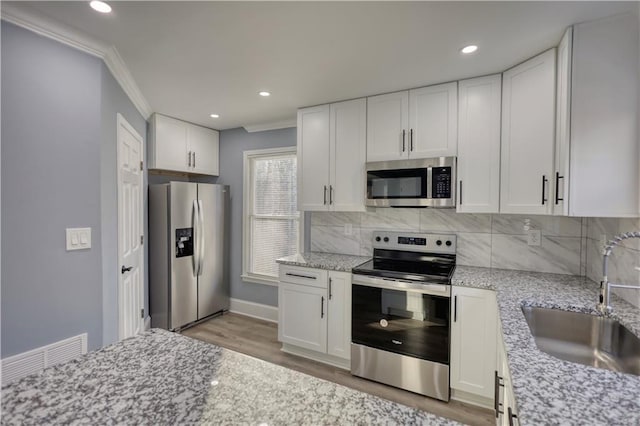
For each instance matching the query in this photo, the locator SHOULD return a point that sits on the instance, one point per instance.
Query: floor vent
(21, 365)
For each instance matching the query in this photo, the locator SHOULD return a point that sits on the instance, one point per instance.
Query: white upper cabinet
(418, 123)
(433, 118)
(176, 145)
(348, 155)
(204, 145)
(313, 158)
(560, 184)
(479, 145)
(387, 125)
(528, 135)
(604, 156)
(331, 156)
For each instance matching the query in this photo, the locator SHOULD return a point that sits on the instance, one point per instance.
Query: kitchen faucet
(605, 286)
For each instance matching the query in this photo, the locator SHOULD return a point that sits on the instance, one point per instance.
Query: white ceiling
(191, 59)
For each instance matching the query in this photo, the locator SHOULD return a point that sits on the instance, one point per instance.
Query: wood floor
(259, 339)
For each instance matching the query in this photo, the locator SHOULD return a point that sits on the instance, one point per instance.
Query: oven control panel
(409, 241)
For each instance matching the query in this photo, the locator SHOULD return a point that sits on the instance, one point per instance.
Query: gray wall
(233, 143)
(58, 171)
(50, 181)
(114, 101)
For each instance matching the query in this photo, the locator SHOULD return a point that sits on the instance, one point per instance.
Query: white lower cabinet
(314, 314)
(505, 401)
(473, 344)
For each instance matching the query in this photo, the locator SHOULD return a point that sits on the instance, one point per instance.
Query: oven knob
(448, 243)
(378, 239)
(386, 239)
(439, 242)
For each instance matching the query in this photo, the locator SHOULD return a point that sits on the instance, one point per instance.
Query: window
(270, 216)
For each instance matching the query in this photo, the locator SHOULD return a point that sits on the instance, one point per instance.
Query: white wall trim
(274, 125)
(40, 24)
(254, 310)
(25, 363)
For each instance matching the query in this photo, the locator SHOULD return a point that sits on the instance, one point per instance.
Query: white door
(130, 219)
(528, 135)
(339, 320)
(313, 158)
(348, 154)
(473, 340)
(433, 121)
(479, 145)
(302, 316)
(204, 147)
(387, 126)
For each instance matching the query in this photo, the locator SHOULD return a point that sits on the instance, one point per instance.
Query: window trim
(247, 194)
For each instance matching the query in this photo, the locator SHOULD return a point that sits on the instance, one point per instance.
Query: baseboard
(147, 323)
(35, 360)
(254, 310)
(345, 364)
(471, 399)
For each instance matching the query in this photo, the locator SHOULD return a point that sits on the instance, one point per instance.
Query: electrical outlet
(534, 237)
(348, 229)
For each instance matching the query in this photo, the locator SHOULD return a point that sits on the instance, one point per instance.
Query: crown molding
(283, 124)
(44, 26)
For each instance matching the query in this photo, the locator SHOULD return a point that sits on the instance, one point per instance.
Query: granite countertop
(160, 377)
(330, 261)
(549, 390)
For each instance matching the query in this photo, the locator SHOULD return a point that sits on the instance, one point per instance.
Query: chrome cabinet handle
(322, 307)
(330, 194)
(544, 185)
(194, 158)
(511, 416)
(558, 177)
(461, 192)
(330, 295)
(455, 308)
(325, 195)
(411, 140)
(125, 269)
(496, 394)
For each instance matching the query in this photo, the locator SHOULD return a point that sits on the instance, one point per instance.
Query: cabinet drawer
(305, 276)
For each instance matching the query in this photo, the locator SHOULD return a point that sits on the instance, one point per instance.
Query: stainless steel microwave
(427, 182)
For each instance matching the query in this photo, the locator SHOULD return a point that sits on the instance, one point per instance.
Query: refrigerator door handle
(202, 239)
(196, 238)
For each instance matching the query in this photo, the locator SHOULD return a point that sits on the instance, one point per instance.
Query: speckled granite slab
(165, 378)
(547, 389)
(330, 261)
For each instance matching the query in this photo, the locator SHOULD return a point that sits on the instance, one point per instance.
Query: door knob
(126, 269)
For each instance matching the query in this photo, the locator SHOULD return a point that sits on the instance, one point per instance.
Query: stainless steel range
(400, 325)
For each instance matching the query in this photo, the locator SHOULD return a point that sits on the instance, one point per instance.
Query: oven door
(405, 318)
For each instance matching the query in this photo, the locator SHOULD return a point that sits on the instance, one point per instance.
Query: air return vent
(21, 365)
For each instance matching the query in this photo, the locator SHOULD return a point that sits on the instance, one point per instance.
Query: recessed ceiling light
(214, 116)
(469, 49)
(100, 6)
(263, 93)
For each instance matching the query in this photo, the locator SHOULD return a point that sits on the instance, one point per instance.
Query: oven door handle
(390, 284)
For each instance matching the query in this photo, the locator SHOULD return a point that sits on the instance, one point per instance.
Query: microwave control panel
(441, 183)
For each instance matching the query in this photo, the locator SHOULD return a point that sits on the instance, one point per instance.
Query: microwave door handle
(429, 182)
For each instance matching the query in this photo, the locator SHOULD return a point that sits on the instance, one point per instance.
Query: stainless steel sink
(586, 339)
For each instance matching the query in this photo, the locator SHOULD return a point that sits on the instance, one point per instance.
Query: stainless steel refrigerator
(188, 246)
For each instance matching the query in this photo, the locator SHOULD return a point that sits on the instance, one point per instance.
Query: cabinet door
(348, 154)
(528, 133)
(204, 144)
(560, 184)
(604, 118)
(169, 144)
(473, 341)
(433, 121)
(339, 315)
(387, 125)
(479, 145)
(313, 158)
(302, 316)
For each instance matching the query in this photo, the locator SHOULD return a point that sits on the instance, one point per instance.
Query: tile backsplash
(569, 245)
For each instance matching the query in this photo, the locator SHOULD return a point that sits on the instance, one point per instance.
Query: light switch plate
(534, 236)
(78, 238)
